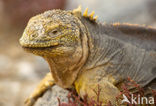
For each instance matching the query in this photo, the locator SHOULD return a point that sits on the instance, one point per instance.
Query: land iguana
(83, 53)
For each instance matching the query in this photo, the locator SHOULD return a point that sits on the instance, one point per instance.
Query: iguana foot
(29, 101)
(41, 88)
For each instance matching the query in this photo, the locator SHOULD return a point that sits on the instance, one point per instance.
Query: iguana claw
(29, 101)
(42, 87)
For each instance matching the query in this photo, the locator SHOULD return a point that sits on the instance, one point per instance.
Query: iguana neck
(63, 68)
(66, 68)
(96, 43)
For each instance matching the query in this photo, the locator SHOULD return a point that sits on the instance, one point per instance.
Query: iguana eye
(53, 33)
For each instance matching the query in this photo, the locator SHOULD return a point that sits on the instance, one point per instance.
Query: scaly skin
(83, 53)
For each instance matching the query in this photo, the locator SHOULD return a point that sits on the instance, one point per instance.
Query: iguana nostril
(33, 35)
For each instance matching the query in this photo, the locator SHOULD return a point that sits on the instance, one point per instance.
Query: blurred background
(20, 72)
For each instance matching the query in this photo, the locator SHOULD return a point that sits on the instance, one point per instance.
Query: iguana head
(61, 38)
(51, 30)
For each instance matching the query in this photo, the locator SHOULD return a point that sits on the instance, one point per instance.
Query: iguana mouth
(37, 44)
(39, 48)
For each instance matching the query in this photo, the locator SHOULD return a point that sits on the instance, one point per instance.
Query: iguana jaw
(32, 49)
(41, 48)
(35, 44)
(38, 45)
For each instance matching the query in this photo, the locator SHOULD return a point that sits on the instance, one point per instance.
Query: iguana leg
(105, 91)
(46, 82)
(89, 82)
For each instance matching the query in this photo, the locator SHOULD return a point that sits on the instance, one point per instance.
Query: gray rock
(50, 97)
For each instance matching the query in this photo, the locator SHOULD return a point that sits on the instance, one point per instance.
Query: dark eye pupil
(54, 32)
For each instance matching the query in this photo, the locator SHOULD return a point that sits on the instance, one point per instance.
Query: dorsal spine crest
(91, 16)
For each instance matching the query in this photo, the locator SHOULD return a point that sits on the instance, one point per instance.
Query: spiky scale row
(91, 16)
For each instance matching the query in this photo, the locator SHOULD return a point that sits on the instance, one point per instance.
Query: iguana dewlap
(84, 53)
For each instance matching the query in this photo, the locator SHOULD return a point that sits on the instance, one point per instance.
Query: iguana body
(84, 53)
